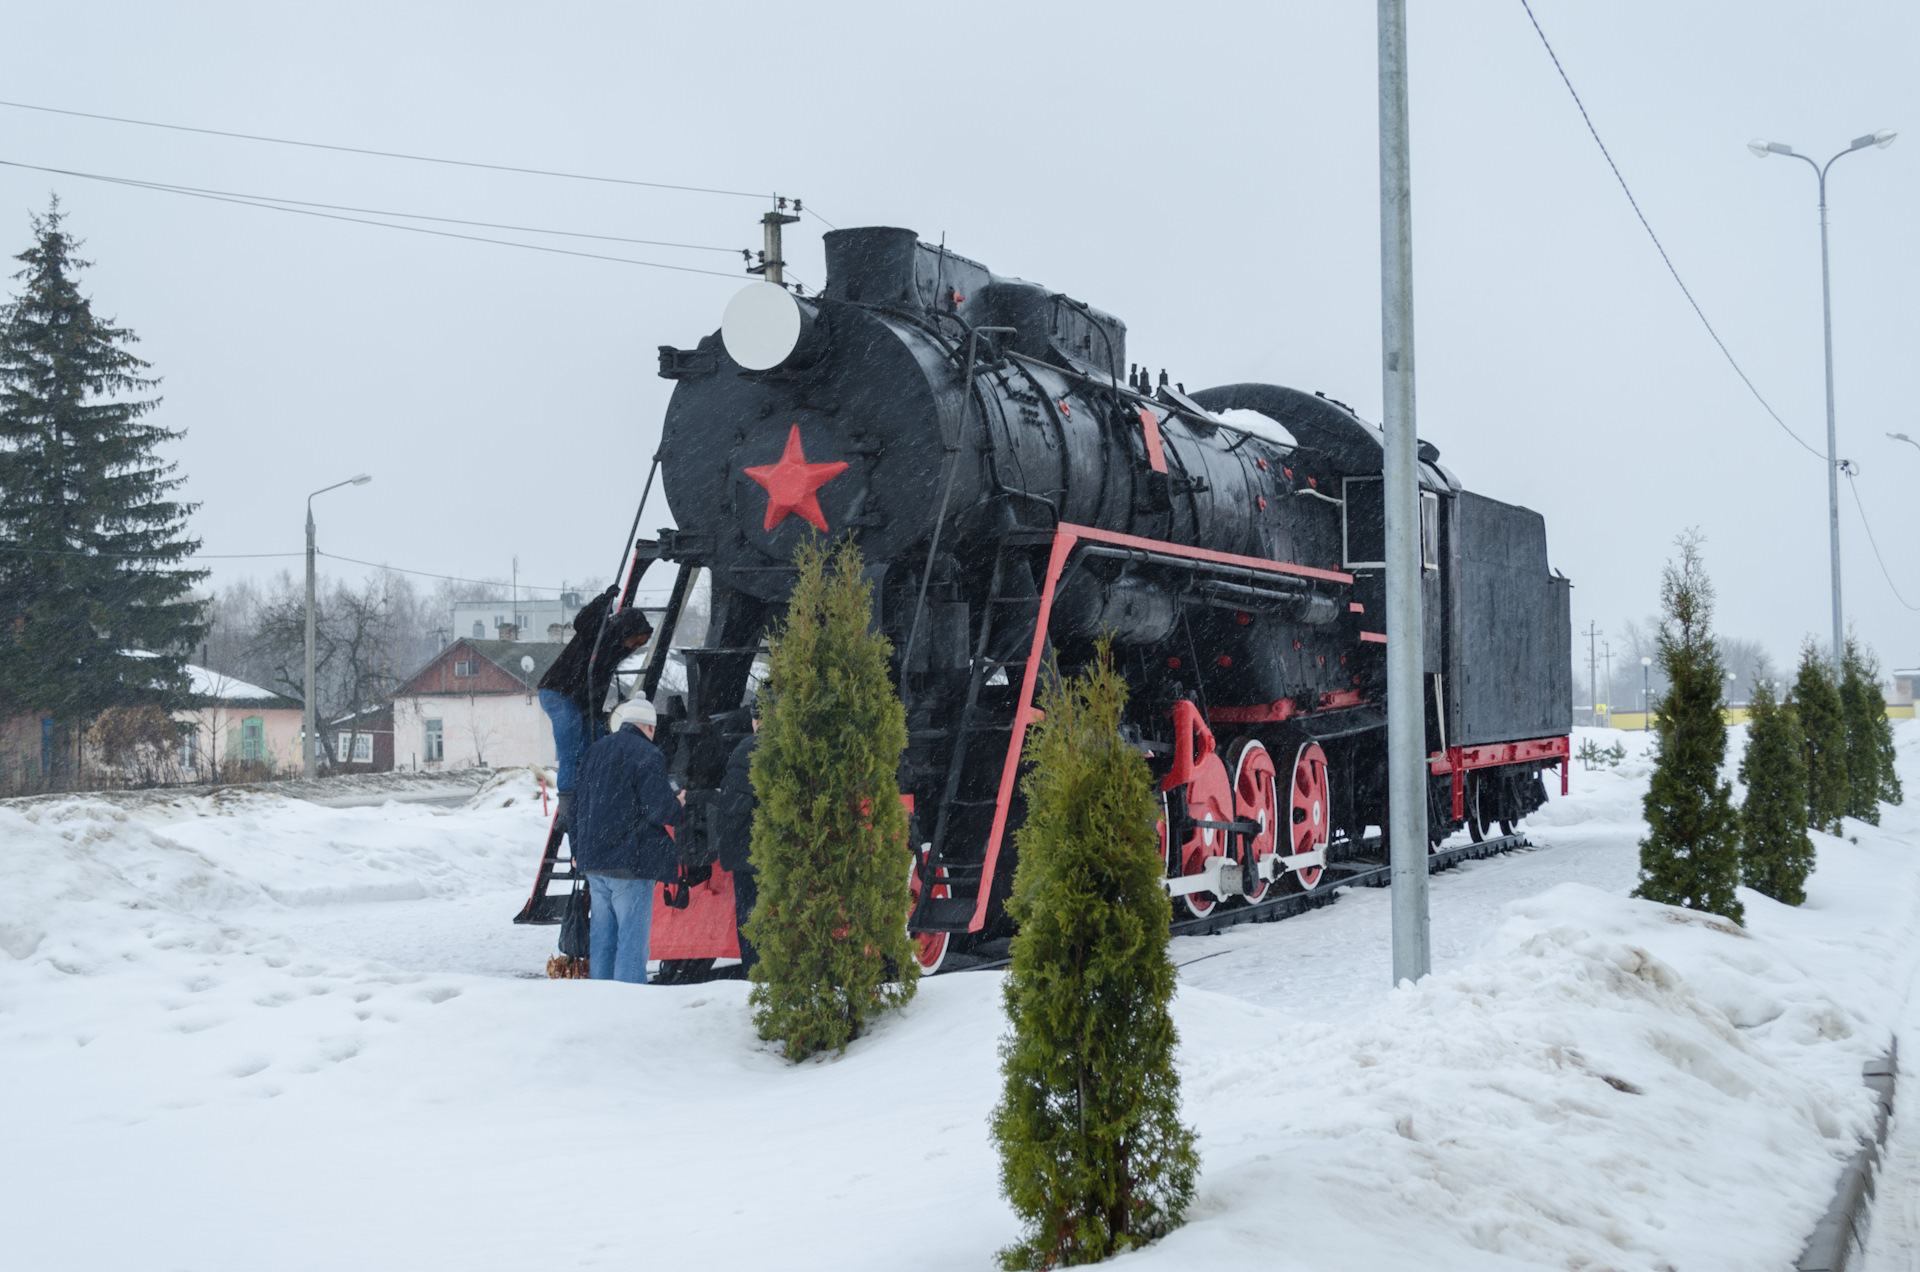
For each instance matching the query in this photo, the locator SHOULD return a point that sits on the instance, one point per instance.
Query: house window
(479, 631)
(360, 744)
(190, 751)
(436, 744)
(467, 667)
(253, 739)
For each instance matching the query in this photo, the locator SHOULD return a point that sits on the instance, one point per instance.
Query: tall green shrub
(1092, 1152)
(1823, 730)
(1691, 855)
(1870, 773)
(1775, 854)
(829, 833)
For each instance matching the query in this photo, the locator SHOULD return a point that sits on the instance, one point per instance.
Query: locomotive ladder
(958, 871)
(544, 906)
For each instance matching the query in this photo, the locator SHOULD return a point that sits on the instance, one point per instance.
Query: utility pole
(1593, 668)
(310, 731)
(1761, 149)
(1607, 648)
(1406, 697)
(309, 725)
(772, 264)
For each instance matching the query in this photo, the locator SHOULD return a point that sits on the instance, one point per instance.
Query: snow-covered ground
(248, 1032)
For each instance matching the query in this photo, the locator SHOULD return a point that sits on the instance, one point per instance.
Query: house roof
(507, 655)
(524, 660)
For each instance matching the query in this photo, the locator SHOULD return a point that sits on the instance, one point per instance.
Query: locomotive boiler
(1018, 487)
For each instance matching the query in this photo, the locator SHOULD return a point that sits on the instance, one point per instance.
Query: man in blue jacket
(623, 807)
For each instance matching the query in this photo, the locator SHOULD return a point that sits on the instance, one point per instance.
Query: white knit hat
(634, 710)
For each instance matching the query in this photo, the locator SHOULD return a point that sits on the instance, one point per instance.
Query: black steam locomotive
(1017, 488)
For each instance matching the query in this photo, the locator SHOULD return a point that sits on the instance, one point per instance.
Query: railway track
(1360, 867)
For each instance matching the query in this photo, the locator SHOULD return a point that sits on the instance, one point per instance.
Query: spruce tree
(1691, 855)
(1870, 773)
(1092, 1152)
(1775, 853)
(1823, 730)
(92, 537)
(829, 831)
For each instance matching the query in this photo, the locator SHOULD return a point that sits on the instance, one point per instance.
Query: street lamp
(1902, 437)
(1761, 148)
(309, 761)
(1646, 694)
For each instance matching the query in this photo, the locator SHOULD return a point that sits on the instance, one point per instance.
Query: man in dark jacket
(735, 808)
(572, 698)
(625, 808)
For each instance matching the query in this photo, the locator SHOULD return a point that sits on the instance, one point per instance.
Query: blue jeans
(622, 919)
(572, 735)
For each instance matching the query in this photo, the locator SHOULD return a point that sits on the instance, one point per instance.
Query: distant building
(475, 705)
(235, 731)
(543, 620)
(363, 741)
(1901, 695)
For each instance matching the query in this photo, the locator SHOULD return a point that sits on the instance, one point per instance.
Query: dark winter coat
(734, 808)
(568, 675)
(623, 805)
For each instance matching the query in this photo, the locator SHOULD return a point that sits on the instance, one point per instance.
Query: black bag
(576, 923)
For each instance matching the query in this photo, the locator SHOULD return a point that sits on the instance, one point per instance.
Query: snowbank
(258, 1033)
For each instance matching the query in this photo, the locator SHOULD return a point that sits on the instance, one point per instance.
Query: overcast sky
(1207, 172)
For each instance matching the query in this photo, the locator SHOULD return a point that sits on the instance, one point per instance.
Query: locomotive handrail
(951, 449)
(1066, 538)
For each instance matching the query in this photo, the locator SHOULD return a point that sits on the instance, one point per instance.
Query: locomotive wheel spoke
(1256, 797)
(1310, 813)
(929, 948)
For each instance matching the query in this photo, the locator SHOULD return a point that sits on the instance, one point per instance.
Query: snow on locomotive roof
(1259, 425)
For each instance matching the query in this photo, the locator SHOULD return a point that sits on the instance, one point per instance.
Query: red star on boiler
(791, 483)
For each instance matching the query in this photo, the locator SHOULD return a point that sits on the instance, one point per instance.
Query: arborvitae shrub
(1775, 853)
(1823, 731)
(829, 832)
(1691, 855)
(1870, 773)
(1092, 1152)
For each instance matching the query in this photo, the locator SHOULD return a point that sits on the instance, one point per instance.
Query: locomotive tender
(1017, 488)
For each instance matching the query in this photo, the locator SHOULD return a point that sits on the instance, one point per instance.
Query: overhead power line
(388, 154)
(173, 188)
(257, 556)
(1648, 227)
(452, 578)
(1861, 507)
(147, 556)
(269, 204)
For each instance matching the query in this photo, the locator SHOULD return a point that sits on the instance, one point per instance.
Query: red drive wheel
(1200, 776)
(929, 948)
(1209, 798)
(1256, 798)
(1311, 812)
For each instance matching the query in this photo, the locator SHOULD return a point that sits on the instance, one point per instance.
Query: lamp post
(1761, 148)
(1406, 712)
(1646, 694)
(1902, 437)
(309, 745)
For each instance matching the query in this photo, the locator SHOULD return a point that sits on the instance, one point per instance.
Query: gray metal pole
(1833, 452)
(1406, 715)
(776, 267)
(308, 762)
